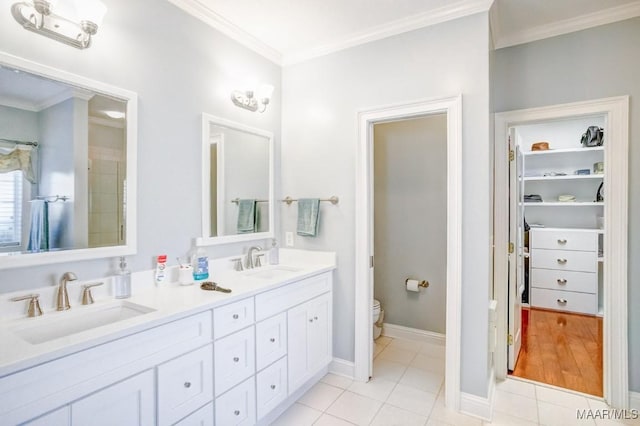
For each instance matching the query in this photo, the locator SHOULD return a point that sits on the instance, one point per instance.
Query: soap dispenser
(122, 281)
(274, 255)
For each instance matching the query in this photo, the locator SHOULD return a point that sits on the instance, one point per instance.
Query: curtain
(18, 159)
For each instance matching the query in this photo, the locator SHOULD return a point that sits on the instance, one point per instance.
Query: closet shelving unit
(564, 258)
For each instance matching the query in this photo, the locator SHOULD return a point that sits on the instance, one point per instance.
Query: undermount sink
(271, 272)
(44, 329)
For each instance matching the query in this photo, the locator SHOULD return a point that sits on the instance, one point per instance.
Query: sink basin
(44, 329)
(271, 272)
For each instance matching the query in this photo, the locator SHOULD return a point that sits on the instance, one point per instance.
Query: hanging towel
(246, 216)
(308, 216)
(39, 233)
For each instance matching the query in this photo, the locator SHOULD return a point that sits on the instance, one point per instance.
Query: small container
(122, 281)
(200, 264)
(185, 275)
(161, 266)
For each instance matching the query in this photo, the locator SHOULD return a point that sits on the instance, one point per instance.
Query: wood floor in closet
(561, 349)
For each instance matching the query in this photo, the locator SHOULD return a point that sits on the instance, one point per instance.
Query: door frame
(452, 106)
(615, 285)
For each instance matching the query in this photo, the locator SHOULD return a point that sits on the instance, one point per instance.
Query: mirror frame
(72, 255)
(205, 239)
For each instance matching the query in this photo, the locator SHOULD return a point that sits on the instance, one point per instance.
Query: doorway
(565, 236)
(364, 234)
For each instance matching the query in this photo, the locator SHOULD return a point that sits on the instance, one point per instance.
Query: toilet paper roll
(413, 285)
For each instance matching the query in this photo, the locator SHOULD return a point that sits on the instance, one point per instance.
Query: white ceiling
(289, 31)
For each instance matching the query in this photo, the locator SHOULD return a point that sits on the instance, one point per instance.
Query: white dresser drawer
(584, 282)
(202, 417)
(238, 406)
(271, 385)
(564, 239)
(569, 301)
(564, 260)
(234, 359)
(184, 384)
(271, 340)
(230, 318)
(275, 301)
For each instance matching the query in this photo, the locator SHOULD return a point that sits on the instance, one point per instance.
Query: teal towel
(308, 216)
(246, 216)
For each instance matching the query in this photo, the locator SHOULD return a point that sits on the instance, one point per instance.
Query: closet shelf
(567, 204)
(563, 151)
(567, 177)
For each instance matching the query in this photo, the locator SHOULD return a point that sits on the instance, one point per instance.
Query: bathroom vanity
(181, 355)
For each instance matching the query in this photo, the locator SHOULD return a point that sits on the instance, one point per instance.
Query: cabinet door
(130, 402)
(59, 417)
(309, 344)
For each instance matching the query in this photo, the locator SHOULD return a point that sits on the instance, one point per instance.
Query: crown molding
(208, 16)
(18, 104)
(108, 122)
(63, 96)
(566, 26)
(399, 26)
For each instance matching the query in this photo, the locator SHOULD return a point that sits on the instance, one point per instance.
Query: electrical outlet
(288, 236)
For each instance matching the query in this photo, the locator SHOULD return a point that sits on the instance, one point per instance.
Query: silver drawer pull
(187, 385)
(273, 386)
(272, 340)
(562, 261)
(562, 301)
(562, 241)
(236, 359)
(237, 412)
(236, 316)
(562, 281)
(315, 318)
(310, 319)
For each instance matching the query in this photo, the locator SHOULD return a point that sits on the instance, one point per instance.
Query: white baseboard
(401, 332)
(634, 400)
(342, 367)
(477, 406)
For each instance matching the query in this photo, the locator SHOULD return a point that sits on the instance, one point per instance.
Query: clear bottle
(122, 281)
(274, 255)
(200, 264)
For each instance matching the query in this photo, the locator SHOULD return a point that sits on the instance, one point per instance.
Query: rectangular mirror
(67, 166)
(237, 182)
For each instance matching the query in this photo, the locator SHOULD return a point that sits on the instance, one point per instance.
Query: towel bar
(237, 200)
(333, 200)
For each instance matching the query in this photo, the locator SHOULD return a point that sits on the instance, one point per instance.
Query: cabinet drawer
(234, 359)
(565, 260)
(184, 384)
(238, 406)
(271, 340)
(232, 317)
(61, 417)
(583, 282)
(564, 239)
(569, 301)
(275, 301)
(271, 385)
(202, 417)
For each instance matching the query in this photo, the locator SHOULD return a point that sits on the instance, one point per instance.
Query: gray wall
(320, 100)
(591, 64)
(410, 220)
(180, 67)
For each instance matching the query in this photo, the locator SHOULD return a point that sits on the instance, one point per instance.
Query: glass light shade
(265, 91)
(91, 10)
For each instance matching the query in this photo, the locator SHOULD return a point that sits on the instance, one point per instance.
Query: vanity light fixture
(39, 16)
(246, 100)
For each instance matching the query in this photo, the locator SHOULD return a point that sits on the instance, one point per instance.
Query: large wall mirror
(67, 166)
(237, 182)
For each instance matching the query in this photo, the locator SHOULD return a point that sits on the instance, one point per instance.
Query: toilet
(378, 316)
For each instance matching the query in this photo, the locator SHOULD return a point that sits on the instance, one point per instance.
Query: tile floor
(407, 389)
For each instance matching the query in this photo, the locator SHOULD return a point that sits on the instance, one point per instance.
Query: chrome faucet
(63, 296)
(250, 264)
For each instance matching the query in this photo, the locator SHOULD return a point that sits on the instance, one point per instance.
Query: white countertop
(169, 302)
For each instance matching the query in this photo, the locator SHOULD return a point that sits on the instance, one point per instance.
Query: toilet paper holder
(423, 283)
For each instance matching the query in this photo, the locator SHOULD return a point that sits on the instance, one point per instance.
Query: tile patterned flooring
(408, 389)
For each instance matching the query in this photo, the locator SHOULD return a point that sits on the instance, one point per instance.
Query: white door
(130, 402)
(297, 344)
(516, 251)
